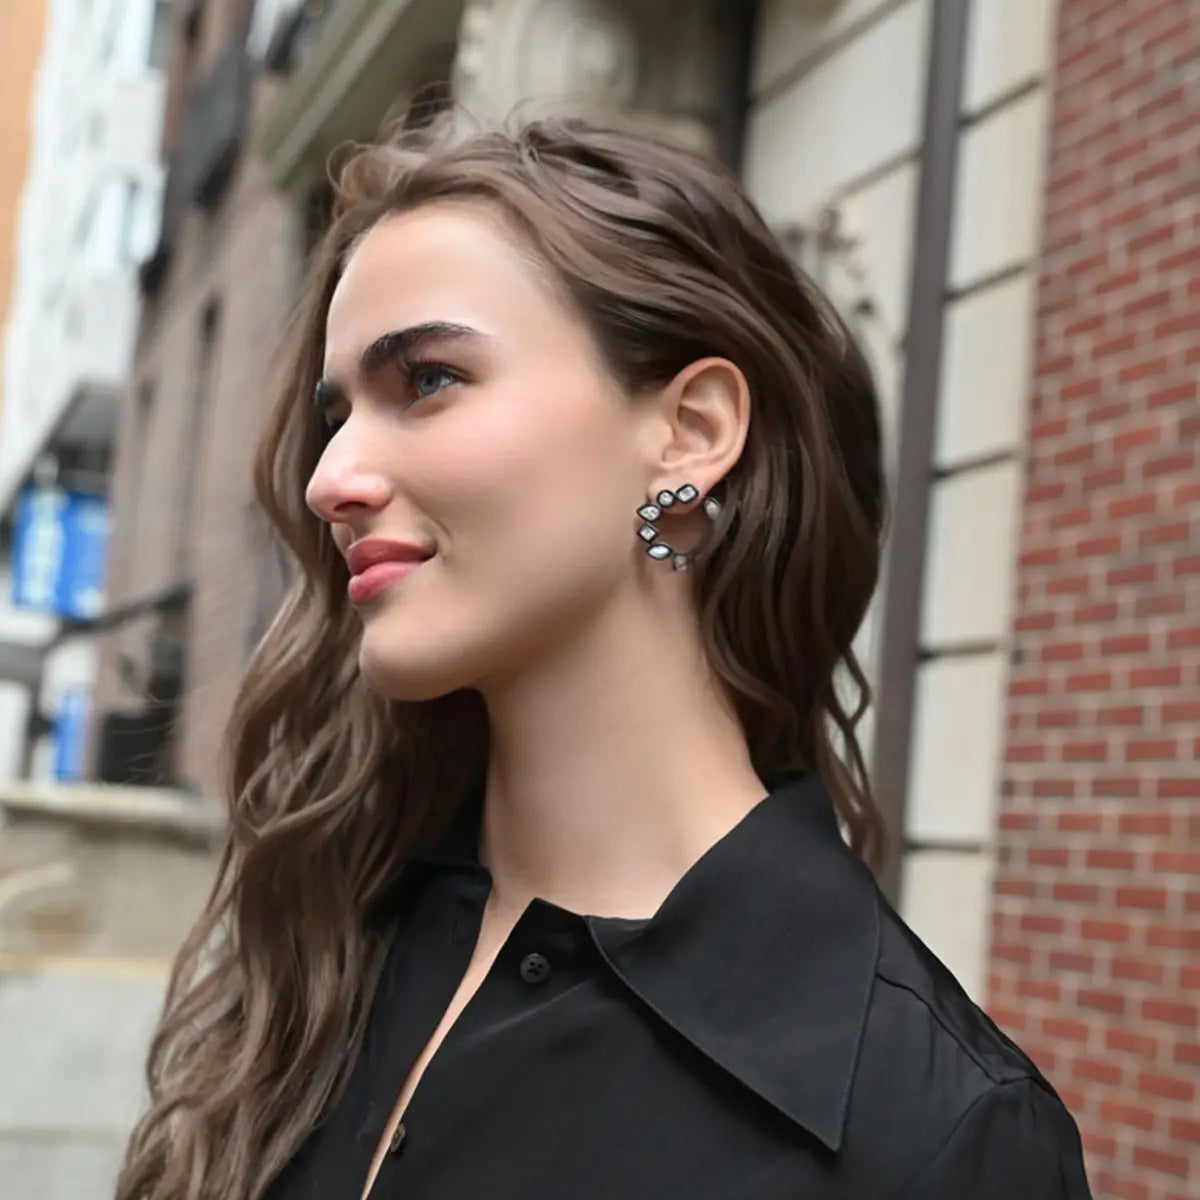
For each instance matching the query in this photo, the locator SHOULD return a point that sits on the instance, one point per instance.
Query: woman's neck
(613, 766)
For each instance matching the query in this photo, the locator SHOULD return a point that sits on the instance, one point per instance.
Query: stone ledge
(154, 810)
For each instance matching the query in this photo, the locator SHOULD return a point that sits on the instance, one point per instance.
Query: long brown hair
(331, 787)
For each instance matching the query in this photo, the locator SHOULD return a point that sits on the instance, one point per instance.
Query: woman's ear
(702, 418)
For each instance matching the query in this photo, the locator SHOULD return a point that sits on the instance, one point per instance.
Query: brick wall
(1095, 962)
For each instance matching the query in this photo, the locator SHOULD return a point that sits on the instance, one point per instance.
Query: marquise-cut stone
(659, 550)
(647, 532)
(688, 493)
(666, 497)
(649, 512)
(712, 506)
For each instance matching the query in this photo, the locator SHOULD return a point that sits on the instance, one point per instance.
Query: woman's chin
(406, 676)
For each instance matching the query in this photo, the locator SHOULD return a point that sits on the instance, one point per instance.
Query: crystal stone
(712, 506)
(688, 493)
(649, 512)
(666, 498)
(647, 532)
(680, 562)
(659, 550)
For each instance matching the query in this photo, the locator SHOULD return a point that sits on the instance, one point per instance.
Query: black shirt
(774, 1032)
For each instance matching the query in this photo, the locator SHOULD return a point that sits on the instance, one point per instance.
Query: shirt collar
(763, 955)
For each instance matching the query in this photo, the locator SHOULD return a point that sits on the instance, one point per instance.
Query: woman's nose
(343, 484)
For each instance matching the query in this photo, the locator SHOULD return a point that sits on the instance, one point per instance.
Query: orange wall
(22, 24)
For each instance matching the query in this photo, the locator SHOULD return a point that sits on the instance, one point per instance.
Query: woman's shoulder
(919, 989)
(965, 1109)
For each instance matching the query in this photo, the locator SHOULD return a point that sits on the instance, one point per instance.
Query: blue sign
(60, 549)
(70, 734)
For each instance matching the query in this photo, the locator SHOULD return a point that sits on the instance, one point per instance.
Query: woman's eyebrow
(386, 349)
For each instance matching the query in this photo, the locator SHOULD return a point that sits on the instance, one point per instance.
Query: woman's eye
(429, 380)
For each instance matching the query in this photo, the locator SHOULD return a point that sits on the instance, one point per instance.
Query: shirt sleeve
(1016, 1140)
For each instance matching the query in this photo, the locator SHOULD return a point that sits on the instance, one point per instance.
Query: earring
(651, 512)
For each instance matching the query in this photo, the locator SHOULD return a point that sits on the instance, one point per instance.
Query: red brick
(1186, 862)
(1041, 923)
(1099, 1070)
(1066, 1030)
(1089, 681)
(1157, 606)
(1160, 1160)
(1149, 368)
(1186, 495)
(1151, 898)
(1035, 622)
(1030, 686)
(1185, 788)
(1155, 824)
(1171, 1012)
(1125, 1041)
(1129, 643)
(1079, 822)
(1104, 610)
(1146, 435)
(1039, 989)
(1126, 714)
(1167, 464)
(1164, 535)
(1188, 564)
(1184, 639)
(1018, 952)
(1026, 752)
(1187, 1053)
(1104, 931)
(1018, 821)
(1102, 477)
(1173, 937)
(1047, 786)
(1151, 750)
(1136, 505)
(1096, 751)
(1060, 585)
(1177, 393)
(1110, 859)
(1172, 1087)
(1072, 960)
(1117, 785)
(1185, 1129)
(1140, 573)
(1102, 999)
(1102, 543)
(1149, 677)
(1116, 1112)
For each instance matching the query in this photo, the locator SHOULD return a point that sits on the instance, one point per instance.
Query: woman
(534, 884)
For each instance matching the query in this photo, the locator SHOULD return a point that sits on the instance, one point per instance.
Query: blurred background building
(1001, 195)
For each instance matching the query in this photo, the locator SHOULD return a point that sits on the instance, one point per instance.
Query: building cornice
(368, 55)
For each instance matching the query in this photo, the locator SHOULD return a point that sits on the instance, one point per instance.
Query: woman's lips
(369, 583)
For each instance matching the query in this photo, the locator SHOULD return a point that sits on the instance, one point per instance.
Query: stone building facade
(996, 192)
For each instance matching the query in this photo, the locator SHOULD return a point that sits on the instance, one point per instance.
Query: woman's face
(483, 434)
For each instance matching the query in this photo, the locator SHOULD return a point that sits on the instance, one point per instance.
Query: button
(535, 968)
(398, 1136)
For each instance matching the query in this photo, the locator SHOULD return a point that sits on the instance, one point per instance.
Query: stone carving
(515, 56)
